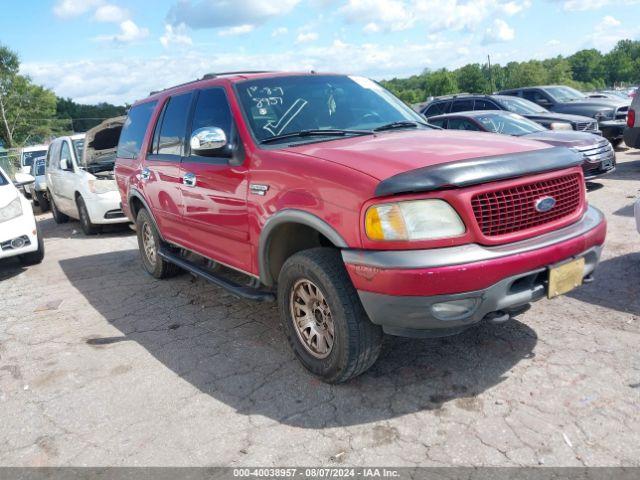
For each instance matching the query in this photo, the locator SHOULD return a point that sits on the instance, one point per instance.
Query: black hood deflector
(474, 171)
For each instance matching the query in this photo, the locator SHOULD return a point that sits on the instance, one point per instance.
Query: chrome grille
(586, 126)
(621, 113)
(597, 152)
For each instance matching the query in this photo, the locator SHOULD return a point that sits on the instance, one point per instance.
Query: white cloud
(306, 37)
(582, 5)
(607, 22)
(175, 35)
(110, 13)
(499, 31)
(74, 8)
(129, 32)
(237, 30)
(279, 31)
(223, 13)
(431, 15)
(133, 78)
(371, 27)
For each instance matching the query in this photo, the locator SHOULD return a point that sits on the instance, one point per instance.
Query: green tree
(472, 79)
(26, 109)
(440, 82)
(587, 66)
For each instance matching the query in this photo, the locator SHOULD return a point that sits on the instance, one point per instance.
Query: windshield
(565, 94)
(508, 124)
(38, 168)
(521, 106)
(78, 146)
(29, 157)
(281, 105)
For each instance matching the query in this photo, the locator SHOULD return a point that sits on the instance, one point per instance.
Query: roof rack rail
(239, 72)
(209, 76)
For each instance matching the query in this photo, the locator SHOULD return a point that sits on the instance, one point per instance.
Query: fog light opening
(454, 309)
(17, 242)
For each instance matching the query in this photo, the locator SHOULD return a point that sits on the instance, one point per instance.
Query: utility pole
(490, 74)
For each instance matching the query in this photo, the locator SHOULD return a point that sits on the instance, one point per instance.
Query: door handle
(189, 179)
(145, 174)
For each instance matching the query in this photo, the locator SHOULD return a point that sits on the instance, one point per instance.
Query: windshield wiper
(401, 124)
(328, 132)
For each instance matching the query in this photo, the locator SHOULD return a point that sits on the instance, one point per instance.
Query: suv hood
(595, 102)
(565, 139)
(388, 153)
(553, 116)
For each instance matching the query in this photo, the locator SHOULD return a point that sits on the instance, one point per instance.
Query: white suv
(82, 186)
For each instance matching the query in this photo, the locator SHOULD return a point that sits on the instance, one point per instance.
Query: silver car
(38, 190)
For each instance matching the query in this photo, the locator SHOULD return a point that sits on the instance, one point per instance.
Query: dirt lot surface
(100, 364)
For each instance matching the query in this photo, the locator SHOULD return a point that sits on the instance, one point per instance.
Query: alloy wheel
(312, 318)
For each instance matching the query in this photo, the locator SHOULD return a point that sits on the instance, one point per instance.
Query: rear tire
(58, 216)
(33, 258)
(617, 143)
(149, 243)
(85, 220)
(318, 301)
(43, 201)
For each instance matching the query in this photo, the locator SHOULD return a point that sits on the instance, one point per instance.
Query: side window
(212, 110)
(462, 124)
(435, 109)
(462, 105)
(439, 122)
(54, 155)
(65, 152)
(535, 96)
(174, 125)
(485, 105)
(134, 128)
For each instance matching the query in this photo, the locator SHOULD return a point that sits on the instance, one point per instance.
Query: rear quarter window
(435, 109)
(134, 130)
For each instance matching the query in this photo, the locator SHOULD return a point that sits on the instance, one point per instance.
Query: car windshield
(29, 157)
(521, 106)
(286, 105)
(508, 124)
(78, 146)
(565, 94)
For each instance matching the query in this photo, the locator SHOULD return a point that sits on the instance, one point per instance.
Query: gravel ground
(100, 364)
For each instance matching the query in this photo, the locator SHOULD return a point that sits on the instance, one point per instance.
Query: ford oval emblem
(544, 204)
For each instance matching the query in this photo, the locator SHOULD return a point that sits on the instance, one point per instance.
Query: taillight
(631, 118)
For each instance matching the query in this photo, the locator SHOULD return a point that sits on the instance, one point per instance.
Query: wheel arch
(137, 202)
(290, 231)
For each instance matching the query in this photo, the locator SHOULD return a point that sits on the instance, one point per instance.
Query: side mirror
(543, 102)
(207, 141)
(22, 179)
(65, 164)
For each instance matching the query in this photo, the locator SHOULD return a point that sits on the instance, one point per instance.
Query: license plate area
(565, 277)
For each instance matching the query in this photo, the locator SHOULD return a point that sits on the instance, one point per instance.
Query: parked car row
(338, 202)
(556, 104)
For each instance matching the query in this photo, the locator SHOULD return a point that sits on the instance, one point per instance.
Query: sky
(118, 51)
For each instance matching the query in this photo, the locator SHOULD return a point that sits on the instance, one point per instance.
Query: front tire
(33, 258)
(617, 143)
(323, 318)
(149, 243)
(58, 216)
(43, 201)
(85, 220)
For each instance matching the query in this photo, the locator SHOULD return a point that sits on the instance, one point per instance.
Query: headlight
(604, 115)
(560, 126)
(102, 186)
(13, 210)
(413, 220)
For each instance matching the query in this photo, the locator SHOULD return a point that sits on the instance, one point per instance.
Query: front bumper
(399, 288)
(105, 208)
(22, 227)
(613, 130)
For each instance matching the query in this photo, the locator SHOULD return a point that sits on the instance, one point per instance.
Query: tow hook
(498, 317)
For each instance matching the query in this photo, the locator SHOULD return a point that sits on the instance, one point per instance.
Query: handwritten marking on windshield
(288, 116)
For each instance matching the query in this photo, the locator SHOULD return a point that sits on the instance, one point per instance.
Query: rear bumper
(632, 137)
(399, 288)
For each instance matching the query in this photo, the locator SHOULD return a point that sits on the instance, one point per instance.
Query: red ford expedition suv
(340, 203)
